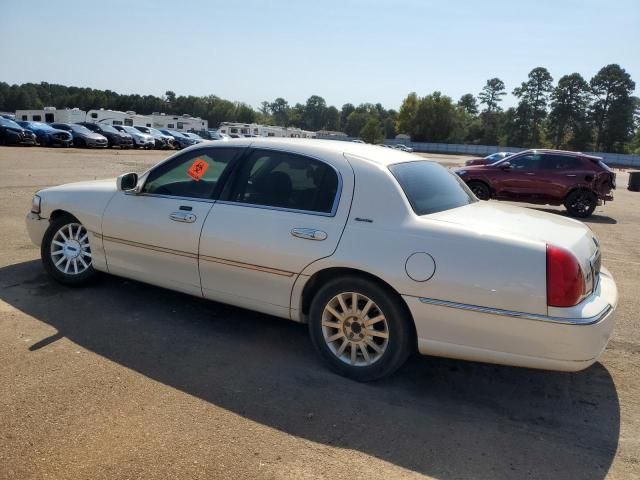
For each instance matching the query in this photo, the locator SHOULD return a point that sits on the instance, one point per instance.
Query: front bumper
(93, 143)
(36, 226)
(554, 342)
(145, 143)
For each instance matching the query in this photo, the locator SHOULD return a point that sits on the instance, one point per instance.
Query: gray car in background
(82, 136)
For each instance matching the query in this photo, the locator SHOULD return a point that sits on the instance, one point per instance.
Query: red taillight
(565, 282)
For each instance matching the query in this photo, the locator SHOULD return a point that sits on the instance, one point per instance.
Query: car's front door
(153, 236)
(520, 180)
(279, 212)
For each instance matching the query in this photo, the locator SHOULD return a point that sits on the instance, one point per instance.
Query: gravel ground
(124, 380)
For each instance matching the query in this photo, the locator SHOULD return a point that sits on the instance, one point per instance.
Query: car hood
(524, 223)
(107, 185)
(93, 135)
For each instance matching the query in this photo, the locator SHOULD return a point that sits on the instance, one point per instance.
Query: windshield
(39, 125)
(430, 188)
(131, 130)
(5, 122)
(107, 128)
(79, 128)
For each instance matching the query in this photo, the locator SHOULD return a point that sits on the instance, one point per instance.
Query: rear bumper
(567, 343)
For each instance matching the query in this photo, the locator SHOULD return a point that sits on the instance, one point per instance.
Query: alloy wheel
(70, 249)
(355, 329)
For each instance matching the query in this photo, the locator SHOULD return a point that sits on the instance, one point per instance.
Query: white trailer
(51, 115)
(115, 117)
(235, 129)
(180, 123)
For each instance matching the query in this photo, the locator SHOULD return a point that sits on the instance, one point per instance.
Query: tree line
(599, 115)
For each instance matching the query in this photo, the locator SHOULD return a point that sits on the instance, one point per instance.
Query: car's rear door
(281, 211)
(154, 236)
(561, 173)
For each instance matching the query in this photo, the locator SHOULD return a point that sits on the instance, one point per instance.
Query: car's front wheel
(66, 252)
(360, 329)
(581, 203)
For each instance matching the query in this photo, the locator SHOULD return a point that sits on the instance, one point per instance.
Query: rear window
(430, 188)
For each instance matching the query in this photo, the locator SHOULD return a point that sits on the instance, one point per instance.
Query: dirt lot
(125, 381)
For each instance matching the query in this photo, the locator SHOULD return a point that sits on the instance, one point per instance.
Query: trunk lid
(495, 218)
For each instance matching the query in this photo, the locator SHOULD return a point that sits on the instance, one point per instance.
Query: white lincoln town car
(380, 252)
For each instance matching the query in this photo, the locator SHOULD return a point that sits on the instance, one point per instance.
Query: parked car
(194, 136)
(401, 147)
(493, 158)
(545, 177)
(114, 137)
(277, 226)
(82, 136)
(162, 140)
(13, 134)
(140, 139)
(180, 140)
(47, 136)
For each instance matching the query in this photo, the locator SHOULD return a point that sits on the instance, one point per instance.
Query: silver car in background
(163, 141)
(142, 140)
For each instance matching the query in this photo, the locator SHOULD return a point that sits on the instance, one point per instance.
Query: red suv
(546, 177)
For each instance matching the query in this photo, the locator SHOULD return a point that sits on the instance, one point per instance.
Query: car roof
(365, 151)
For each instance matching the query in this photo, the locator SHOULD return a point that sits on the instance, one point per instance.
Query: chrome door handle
(570, 175)
(309, 233)
(184, 217)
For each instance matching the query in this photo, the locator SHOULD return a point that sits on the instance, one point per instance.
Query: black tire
(480, 190)
(400, 342)
(82, 278)
(581, 203)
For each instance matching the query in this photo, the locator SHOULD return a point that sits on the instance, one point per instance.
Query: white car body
(140, 139)
(473, 278)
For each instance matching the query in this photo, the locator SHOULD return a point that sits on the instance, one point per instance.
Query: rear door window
(561, 162)
(284, 180)
(526, 162)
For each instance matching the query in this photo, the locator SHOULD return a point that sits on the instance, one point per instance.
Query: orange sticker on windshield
(197, 169)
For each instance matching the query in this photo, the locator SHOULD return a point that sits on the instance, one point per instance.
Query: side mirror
(127, 181)
(506, 166)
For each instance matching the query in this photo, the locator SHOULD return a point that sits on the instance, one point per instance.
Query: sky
(345, 51)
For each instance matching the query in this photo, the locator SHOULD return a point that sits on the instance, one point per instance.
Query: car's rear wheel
(581, 203)
(66, 252)
(480, 190)
(360, 329)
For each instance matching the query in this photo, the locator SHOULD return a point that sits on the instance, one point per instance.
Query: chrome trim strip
(248, 266)
(511, 313)
(277, 209)
(149, 247)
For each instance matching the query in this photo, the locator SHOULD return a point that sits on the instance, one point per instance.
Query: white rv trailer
(180, 123)
(51, 114)
(115, 117)
(257, 130)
